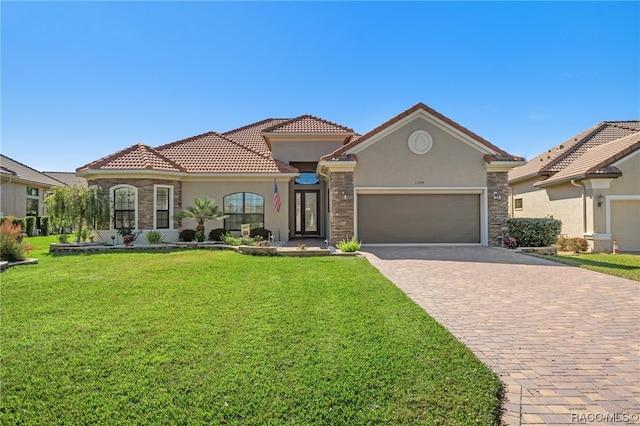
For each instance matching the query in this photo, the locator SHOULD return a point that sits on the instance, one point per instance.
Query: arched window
(243, 207)
(124, 207)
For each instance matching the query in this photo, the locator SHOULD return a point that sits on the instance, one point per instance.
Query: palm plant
(203, 210)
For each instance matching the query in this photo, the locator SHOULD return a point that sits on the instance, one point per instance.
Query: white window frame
(155, 206)
(112, 200)
(33, 197)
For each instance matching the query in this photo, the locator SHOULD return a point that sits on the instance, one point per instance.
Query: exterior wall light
(600, 200)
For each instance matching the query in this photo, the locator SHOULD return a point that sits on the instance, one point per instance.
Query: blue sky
(81, 80)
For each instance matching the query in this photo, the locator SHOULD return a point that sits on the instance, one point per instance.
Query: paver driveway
(565, 340)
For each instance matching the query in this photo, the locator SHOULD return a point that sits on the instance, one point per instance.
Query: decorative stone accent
(341, 198)
(145, 197)
(498, 207)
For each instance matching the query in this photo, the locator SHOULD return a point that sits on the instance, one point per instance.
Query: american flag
(276, 196)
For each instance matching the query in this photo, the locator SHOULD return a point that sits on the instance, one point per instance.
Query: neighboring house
(68, 178)
(419, 178)
(591, 183)
(22, 189)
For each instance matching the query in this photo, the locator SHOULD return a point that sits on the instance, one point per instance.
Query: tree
(205, 209)
(77, 205)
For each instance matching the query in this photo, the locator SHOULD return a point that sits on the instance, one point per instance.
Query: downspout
(584, 204)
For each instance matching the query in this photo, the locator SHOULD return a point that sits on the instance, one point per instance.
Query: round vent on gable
(420, 142)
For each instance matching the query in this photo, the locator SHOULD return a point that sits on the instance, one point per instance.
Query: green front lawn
(620, 265)
(199, 337)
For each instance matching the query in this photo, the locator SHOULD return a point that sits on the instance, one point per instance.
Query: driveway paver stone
(565, 340)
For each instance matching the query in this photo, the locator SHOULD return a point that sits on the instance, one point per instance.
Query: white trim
(112, 200)
(609, 199)
(155, 209)
(597, 236)
(420, 113)
(503, 166)
(182, 176)
(339, 166)
(482, 191)
(597, 183)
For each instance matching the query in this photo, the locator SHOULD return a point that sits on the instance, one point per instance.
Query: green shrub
(351, 245)
(262, 232)
(187, 235)
(31, 226)
(63, 238)
(199, 236)
(533, 232)
(44, 225)
(11, 246)
(230, 240)
(154, 237)
(576, 245)
(217, 234)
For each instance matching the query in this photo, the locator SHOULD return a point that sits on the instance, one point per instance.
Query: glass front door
(307, 212)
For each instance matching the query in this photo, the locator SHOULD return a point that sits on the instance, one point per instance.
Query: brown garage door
(419, 218)
(625, 224)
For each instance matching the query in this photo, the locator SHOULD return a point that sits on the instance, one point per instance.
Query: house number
(419, 182)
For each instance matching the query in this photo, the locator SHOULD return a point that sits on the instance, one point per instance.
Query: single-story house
(590, 182)
(22, 189)
(419, 178)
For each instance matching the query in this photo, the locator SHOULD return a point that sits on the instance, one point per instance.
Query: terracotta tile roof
(420, 106)
(307, 124)
(561, 156)
(136, 157)
(597, 161)
(251, 134)
(10, 168)
(214, 153)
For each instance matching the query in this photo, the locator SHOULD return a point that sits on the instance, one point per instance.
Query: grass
(620, 265)
(198, 337)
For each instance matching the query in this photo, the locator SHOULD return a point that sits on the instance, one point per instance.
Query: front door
(307, 212)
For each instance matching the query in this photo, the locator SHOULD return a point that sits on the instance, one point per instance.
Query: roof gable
(135, 157)
(562, 156)
(15, 170)
(308, 124)
(597, 161)
(359, 143)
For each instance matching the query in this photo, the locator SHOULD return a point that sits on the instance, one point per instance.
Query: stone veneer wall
(341, 198)
(498, 209)
(145, 197)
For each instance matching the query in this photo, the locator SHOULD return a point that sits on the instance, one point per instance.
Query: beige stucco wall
(563, 202)
(303, 150)
(390, 163)
(13, 199)
(274, 221)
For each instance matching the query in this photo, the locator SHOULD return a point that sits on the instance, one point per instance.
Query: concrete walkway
(565, 341)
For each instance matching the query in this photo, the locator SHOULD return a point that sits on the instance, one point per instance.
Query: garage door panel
(419, 218)
(625, 224)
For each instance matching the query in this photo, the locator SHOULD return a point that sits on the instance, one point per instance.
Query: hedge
(534, 232)
(31, 226)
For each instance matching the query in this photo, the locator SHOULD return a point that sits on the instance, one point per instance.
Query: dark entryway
(307, 212)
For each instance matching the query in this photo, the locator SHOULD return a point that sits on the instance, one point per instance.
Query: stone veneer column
(341, 198)
(145, 197)
(498, 208)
